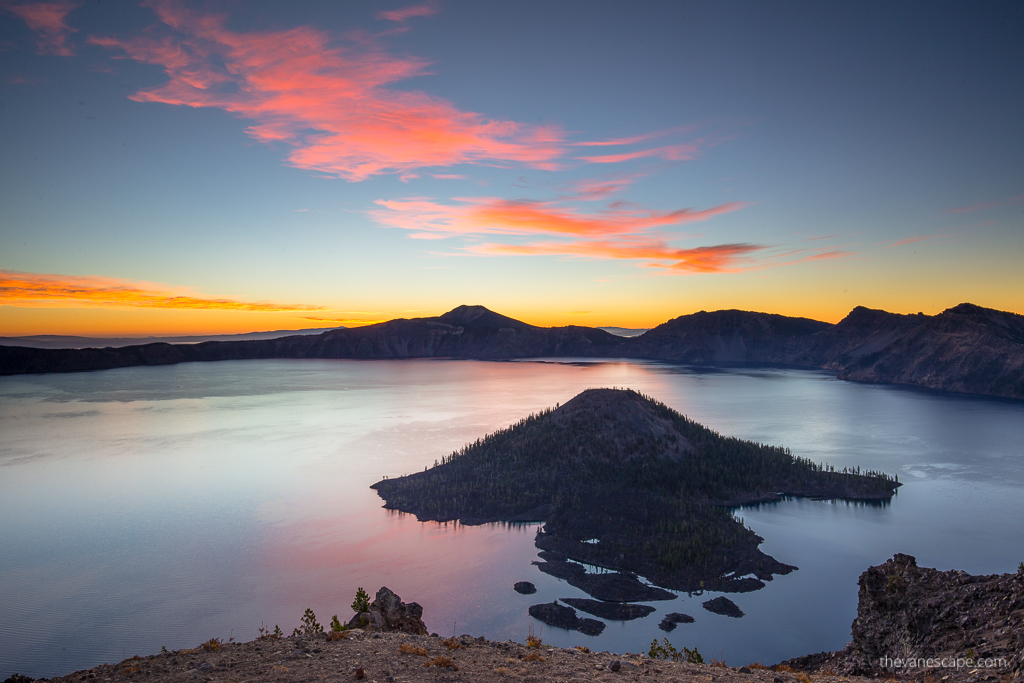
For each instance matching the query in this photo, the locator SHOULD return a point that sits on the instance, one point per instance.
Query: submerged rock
(724, 606)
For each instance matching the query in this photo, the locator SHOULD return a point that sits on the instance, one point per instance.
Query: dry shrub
(337, 635)
(452, 643)
(441, 661)
(502, 670)
(828, 672)
(406, 648)
(582, 648)
(758, 665)
(784, 668)
(718, 662)
(803, 678)
(533, 640)
(534, 657)
(212, 645)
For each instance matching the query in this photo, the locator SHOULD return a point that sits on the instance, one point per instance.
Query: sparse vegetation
(1020, 568)
(407, 649)
(532, 640)
(337, 626)
(310, 626)
(212, 645)
(441, 661)
(452, 643)
(534, 657)
(666, 650)
(362, 601)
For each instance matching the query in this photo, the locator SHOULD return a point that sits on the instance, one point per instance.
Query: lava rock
(524, 587)
(668, 623)
(724, 606)
(389, 613)
(616, 611)
(553, 614)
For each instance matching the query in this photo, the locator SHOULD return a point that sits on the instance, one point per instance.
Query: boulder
(388, 613)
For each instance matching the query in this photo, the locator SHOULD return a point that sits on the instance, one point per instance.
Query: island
(623, 482)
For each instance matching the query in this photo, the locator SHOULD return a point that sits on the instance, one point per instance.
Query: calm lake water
(149, 507)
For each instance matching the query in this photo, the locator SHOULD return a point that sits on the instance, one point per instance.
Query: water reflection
(163, 506)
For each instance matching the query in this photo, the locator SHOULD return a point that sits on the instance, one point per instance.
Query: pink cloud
(491, 215)
(48, 20)
(986, 205)
(331, 104)
(427, 9)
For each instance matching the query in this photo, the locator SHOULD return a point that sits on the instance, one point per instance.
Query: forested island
(626, 483)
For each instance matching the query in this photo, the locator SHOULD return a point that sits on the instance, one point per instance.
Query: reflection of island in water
(626, 483)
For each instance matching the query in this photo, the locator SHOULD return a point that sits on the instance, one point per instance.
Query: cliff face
(727, 337)
(908, 613)
(964, 349)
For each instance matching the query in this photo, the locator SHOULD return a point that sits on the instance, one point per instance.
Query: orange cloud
(491, 215)
(654, 253)
(986, 205)
(47, 19)
(427, 9)
(35, 289)
(330, 103)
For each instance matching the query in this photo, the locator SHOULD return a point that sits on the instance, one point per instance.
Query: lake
(162, 506)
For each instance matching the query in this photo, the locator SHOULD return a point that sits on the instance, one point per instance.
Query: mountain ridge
(964, 349)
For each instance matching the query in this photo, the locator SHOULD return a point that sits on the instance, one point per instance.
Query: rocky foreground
(402, 657)
(929, 624)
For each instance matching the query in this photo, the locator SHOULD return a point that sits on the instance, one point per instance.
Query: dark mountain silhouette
(966, 349)
(627, 483)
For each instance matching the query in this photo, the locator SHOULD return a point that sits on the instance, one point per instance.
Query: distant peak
(479, 316)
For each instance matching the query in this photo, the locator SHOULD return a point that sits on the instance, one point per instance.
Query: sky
(177, 167)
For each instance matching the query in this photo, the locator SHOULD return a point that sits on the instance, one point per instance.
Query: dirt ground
(400, 657)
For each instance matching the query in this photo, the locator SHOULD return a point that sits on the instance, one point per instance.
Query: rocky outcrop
(724, 606)
(914, 620)
(388, 613)
(669, 622)
(553, 614)
(524, 588)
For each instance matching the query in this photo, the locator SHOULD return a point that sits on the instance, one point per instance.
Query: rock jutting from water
(724, 606)
(524, 588)
(553, 614)
(669, 622)
(613, 611)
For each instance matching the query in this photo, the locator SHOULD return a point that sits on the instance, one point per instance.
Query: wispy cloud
(986, 205)
(36, 289)
(331, 103)
(492, 215)
(344, 321)
(683, 152)
(652, 253)
(47, 19)
(426, 9)
(617, 232)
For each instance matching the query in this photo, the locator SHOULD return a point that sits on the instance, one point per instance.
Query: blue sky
(566, 163)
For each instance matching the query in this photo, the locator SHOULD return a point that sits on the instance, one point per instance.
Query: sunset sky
(232, 166)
